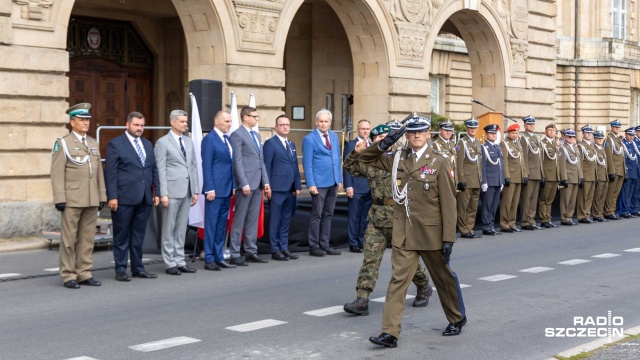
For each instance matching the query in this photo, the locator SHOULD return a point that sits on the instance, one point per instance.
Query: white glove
(484, 187)
(501, 187)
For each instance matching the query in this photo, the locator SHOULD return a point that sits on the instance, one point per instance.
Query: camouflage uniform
(378, 234)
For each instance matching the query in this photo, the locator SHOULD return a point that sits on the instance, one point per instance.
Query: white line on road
(164, 344)
(498, 277)
(574, 262)
(633, 250)
(462, 286)
(82, 358)
(326, 311)
(536, 269)
(382, 299)
(605, 255)
(8, 275)
(53, 269)
(256, 325)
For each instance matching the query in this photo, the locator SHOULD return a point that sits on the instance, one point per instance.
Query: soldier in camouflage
(378, 233)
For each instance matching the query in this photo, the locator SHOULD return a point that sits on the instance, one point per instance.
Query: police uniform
(587, 190)
(615, 170)
(492, 181)
(532, 156)
(571, 176)
(602, 182)
(515, 170)
(629, 186)
(468, 177)
(636, 198)
(377, 236)
(78, 187)
(550, 176)
(424, 225)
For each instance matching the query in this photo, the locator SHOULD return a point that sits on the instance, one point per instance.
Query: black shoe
(528, 227)
(355, 249)
(626, 216)
(637, 214)
(454, 328)
(317, 252)
(553, 225)
(488, 232)
(422, 297)
(254, 258)
(173, 271)
(566, 223)
(385, 340)
(612, 217)
(238, 261)
(471, 236)
(90, 282)
(122, 276)
(506, 230)
(225, 265)
(72, 284)
(359, 307)
(497, 232)
(601, 219)
(515, 230)
(585, 221)
(212, 266)
(332, 251)
(279, 256)
(546, 225)
(290, 255)
(538, 227)
(187, 269)
(144, 275)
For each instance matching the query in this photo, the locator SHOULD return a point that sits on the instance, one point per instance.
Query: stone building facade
(375, 59)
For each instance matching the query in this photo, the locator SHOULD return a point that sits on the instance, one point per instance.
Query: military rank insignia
(428, 171)
(452, 174)
(56, 147)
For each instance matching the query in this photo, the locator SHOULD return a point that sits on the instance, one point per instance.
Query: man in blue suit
(281, 161)
(131, 177)
(358, 192)
(321, 164)
(632, 175)
(218, 186)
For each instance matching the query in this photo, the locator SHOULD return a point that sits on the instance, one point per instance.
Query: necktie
(139, 150)
(83, 141)
(184, 153)
(286, 146)
(255, 139)
(326, 141)
(226, 141)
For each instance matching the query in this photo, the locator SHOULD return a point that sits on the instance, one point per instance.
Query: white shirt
(284, 141)
(419, 152)
(131, 139)
(80, 137)
(324, 139)
(177, 138)
(221, 135)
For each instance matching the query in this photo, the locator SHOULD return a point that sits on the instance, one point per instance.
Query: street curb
(23, 244)
(596, 344)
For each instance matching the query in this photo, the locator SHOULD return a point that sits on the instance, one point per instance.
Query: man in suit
(219, 187)
(178, 175)
(79, 193)
(321, 164)
(602, 182)
(550, 175)
(358, 193)
(469, 177)
(281, 161)
(588, 163)
(515, 171)
(615, 169)
(492, 179)
(532, 155)
(132, 187)
(570, 176)
(631, 176)
(251, 176)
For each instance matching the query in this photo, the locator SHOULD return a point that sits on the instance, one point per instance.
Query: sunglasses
(417, 131)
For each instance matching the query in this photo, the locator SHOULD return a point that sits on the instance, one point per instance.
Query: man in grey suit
(178, 173)
(251, 176)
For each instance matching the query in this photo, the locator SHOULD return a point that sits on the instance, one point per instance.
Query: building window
(619, 22)
(435, 95)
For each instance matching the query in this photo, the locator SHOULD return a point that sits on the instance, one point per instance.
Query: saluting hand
(360, 145)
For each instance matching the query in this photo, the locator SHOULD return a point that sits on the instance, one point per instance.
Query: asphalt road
(507, 319)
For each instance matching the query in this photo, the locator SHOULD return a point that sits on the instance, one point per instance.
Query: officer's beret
(615, 123)
(417, 123)
(491, 128)
(630, 131)
(569, 132)
(379, 130)
(472, 123)
(79, 110)
(587, 129)
(446, 125)
(513, 127)
(598, 135)
(529, 120)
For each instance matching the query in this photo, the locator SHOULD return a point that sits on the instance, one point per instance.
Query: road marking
(256, 325)
(605, 256)
(498, 277)
(9, 275)
(326, 311)
(536, 269)
(164, 344)
(382, 299)
(574, 262)
(462, 286)
(53, 269)
(81, 358)
(633, 250)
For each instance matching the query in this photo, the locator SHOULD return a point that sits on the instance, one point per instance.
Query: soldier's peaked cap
(529, 120)
(569, 132)
(491, 128)
(630, 131)
(446, 125)
(587, 129)
(472, 123)
(615, 123)
(598, 135)
(80, 110)
(417, 123)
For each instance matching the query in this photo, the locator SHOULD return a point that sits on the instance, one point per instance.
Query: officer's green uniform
(469, 160)
(587, 191)
(602, 184)
(613, 147)
(515, 169)
(551, 175)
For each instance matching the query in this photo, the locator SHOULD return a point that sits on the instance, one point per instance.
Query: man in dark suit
(251, 176)
(321, 163)
(131, 178)
(178, 174)
(358, 192)
(281, 161)
(218, 186)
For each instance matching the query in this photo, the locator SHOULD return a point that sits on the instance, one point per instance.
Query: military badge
(56, 146)
(423, 176)
(452, 173)
(426, 186)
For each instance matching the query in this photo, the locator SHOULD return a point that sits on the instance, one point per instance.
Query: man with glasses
(468, 177)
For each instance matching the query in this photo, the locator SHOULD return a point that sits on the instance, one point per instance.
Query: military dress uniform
(78, 183)
(602, 183)
(636, 192)
(515, 170)
(615, 170)
(627, 193)
(468, 177)
(492, 181)
(532, 155)
(447, 146)
(587, 191)
(570, 177)
(550, 176)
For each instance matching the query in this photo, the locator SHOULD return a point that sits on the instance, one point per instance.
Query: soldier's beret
(529, 120)
(569, 132)
(513, 127)
(587, 129)
(79, 110)
(379, 130)
(630, 131)
(446, 125)
(598, 135)
(615, 123)
(472, 123)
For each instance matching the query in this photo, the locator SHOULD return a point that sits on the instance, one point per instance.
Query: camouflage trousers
(376, 241)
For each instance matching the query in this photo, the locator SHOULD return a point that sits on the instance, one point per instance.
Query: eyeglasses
(255, 116)
(413, 132)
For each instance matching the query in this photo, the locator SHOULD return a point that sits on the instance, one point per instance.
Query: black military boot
(422, 297)
(359, 307)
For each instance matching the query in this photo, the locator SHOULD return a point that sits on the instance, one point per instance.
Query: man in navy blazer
(218, 186)
(321, 163)
(281, 161)
(358, 192)
(131, 177)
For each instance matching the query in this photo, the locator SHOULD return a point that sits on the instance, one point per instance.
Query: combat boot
(359, 307)
(422, 297)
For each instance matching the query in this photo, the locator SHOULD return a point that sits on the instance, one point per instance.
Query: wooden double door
(113, 91)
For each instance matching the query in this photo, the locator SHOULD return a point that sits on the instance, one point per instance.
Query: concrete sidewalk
(23, 244)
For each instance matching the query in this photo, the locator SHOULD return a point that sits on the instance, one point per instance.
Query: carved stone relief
(257, 22)
(412, 19)
(35, 9)
(519, 18)
(519, 49)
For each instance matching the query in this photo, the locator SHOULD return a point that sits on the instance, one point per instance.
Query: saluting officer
(602, 181)
(615, 169)
(550, 175)
(515, 170)
(570, 176)
(79, 193)
(468, 176)
(588, 162)
(424, 224)
(631, 176)
(492, 179)
(533, 161)
(636, 192)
